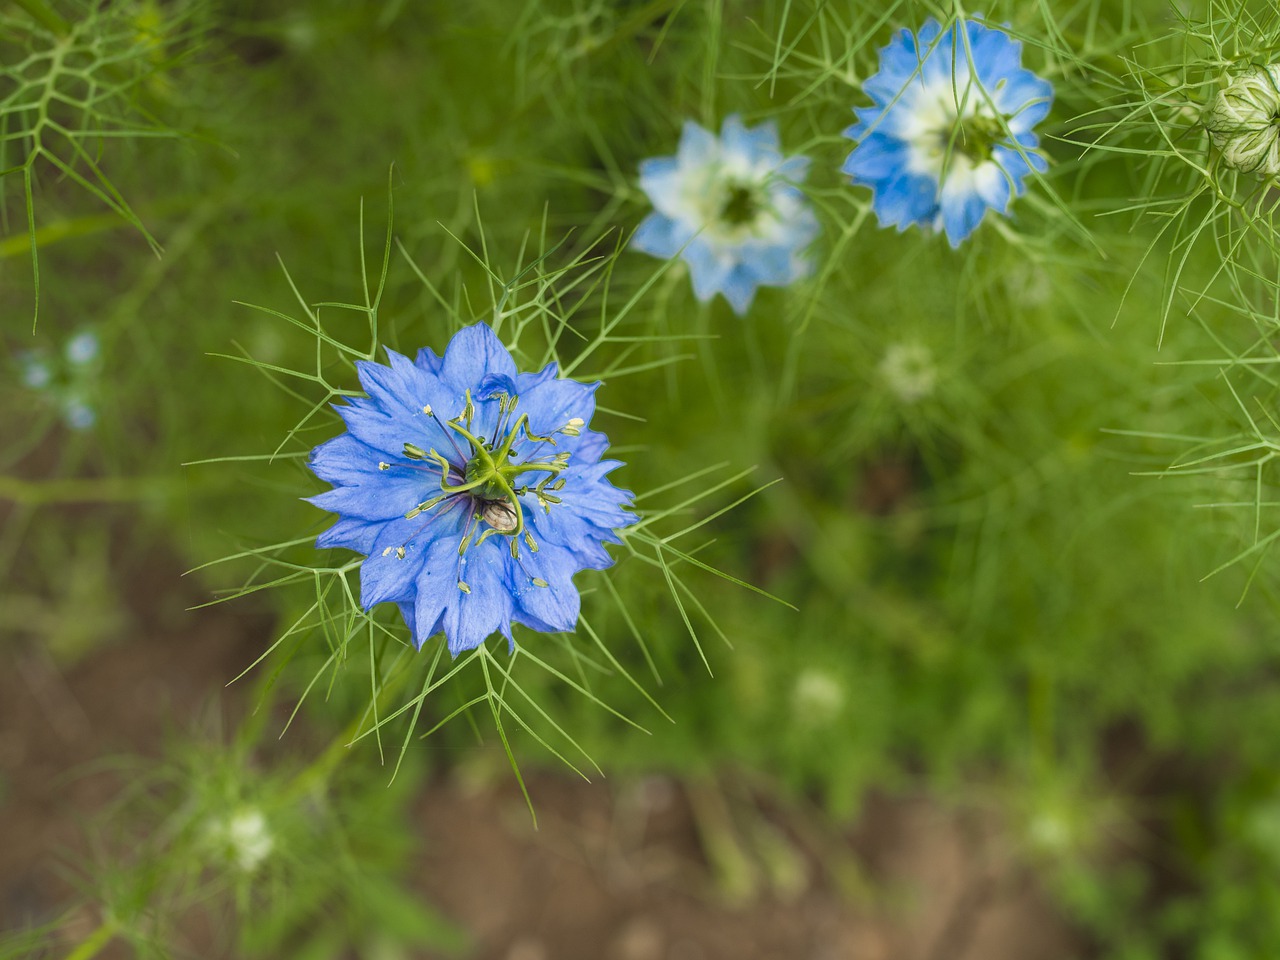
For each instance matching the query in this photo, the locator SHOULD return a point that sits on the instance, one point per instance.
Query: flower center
(973, 137)
(490, 481)
(741, 205)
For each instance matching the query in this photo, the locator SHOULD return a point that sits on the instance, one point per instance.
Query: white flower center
(949, 126)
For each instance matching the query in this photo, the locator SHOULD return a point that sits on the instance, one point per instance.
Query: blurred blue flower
(475, 491)
(938, 149)
(731, 208)
(78, 414)
(34, 371)
(82, 349)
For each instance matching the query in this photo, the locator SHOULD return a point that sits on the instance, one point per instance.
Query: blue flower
(475, 491)
(938, 149)
(731, 209)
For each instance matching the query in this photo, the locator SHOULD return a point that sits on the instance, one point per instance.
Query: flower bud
(1244, 121)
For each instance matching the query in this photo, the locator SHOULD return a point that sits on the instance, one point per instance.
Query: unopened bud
(1244, 121)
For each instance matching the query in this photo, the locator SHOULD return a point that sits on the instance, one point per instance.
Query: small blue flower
(731, 209)
(82, 349)
(78, 414)
(475, 491)
(938, 149)
(34, 371)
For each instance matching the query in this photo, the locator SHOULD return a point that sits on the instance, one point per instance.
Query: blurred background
(1018, 498)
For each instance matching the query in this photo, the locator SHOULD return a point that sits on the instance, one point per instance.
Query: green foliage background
(1044, 583)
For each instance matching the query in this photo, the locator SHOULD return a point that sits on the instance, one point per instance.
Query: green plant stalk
(45, 15)
(93, 944)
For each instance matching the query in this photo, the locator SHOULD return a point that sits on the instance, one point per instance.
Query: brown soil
(616, 870)
(618, 873)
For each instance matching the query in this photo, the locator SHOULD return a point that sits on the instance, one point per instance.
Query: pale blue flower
(937, 148)
(34, 371)
(78, 414)
(82, 349)
(730, 207)
(476, 492)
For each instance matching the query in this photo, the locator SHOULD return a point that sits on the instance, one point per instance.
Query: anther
(400, 552)
(462, 585)
(539, 582)
(383, 465)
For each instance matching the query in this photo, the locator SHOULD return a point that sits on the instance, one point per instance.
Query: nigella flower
(475, 491)
(1243, 121)
(730, 207)
(949, 133)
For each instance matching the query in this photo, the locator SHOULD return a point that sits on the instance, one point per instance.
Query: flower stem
(92, 945)
(45, 15)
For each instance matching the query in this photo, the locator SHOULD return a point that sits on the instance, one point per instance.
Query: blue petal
(697, 146)
(437, 587)
(388, 495)
(771, 264)
(906, 199)
(993, 54)
(393, 414)
(494, 385)
(474, 352)
(1026, 99)
(428, 362)
(402, 388)
(961, 213)
(759, 142)
(407, 612)
(899, 62)
(739, 288)
(707, 270)
(471, 618)
(995, 187)
(554, 607)
(592, 509)
(876, 158)
(1017, 166)
(351, 533)
(553, 403)
(660, 179)
(345, 460)
(527, 381)
(385, 576)
(660, 236)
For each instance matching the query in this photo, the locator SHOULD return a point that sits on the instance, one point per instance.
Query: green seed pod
(1244, 121)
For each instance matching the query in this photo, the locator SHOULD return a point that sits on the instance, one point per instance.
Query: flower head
(68, 382)
(475, 491)
(730, 207)
(244, 838)
(1244, 121)
(949, 132)
(82, 349)
(909, 371)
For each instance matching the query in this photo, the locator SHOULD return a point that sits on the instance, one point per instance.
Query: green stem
(92, 945)
(321, 768)
(46, 16)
